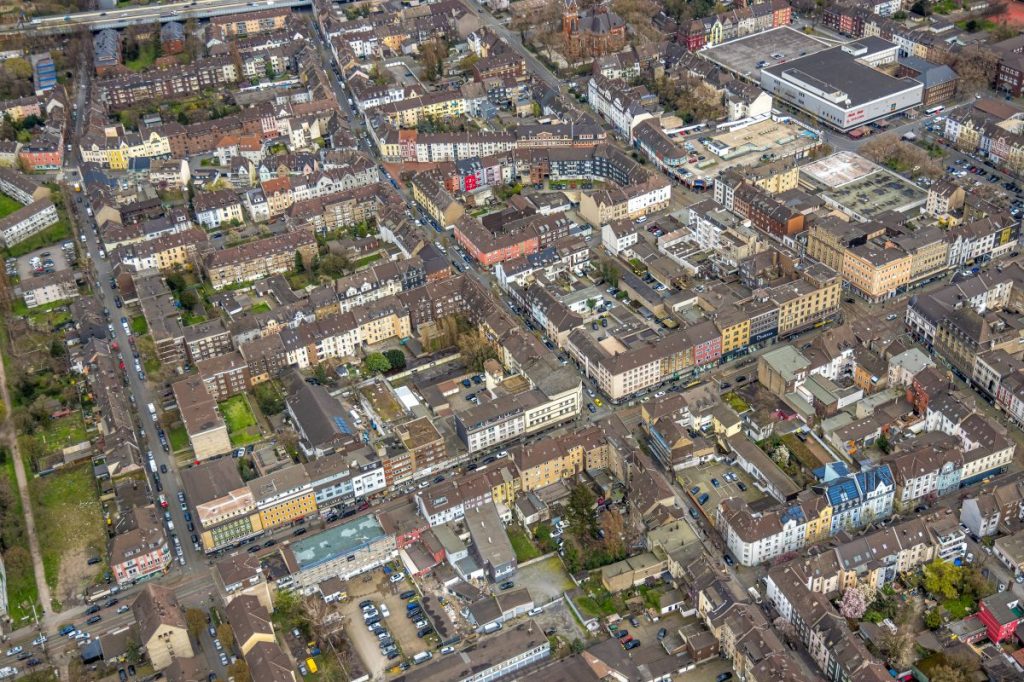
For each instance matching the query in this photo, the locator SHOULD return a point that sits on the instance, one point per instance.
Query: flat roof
(838, 169)
(877, 193)
(837, 70)
(742, 55)
(337, 541)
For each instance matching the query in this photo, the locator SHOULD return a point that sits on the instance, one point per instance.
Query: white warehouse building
(839, 88)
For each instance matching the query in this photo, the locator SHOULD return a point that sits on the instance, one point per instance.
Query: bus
(934, 110)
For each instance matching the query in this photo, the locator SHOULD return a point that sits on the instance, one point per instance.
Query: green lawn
(366, 260)
(56, 434)
(139, 326)
(960, 607)
(240, 421)
(179, 438)
(147, 55)
(8, 205)
(58, 232)
(735, 402)
(69, 523)
(521, 543)
(261, 307)
(188, 319)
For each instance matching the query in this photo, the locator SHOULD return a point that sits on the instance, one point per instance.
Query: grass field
(366, 260)
(522, 545)
(139, 326)
(8, 205)
(241, 423)
(56, 434)
(178, 437)
(147, 55)
(70, 527)
(261, 307)
(22, 591)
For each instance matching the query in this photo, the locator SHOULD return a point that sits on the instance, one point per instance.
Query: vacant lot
(241, 423)
(546, 580)
(70, 527)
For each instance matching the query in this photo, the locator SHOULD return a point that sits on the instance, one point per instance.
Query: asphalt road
(512, 38)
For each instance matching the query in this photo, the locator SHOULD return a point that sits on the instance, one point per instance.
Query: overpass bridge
(148, 14)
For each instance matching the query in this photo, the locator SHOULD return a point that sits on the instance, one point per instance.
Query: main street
(512, 38)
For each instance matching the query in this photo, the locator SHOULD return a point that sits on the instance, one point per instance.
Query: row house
(164, 84)
(258, 259)
(623, 106)
(214, 209)
(736, 23)
(932, 467)
(162, 253)
(999, 508)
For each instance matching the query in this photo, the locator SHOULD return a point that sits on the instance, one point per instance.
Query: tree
(334, 265)
(608, 272)
(18, 68)
(396, 358)
(580, 513)
(58, 349)
(432, 55)
(475, 350)
(268, 398)
(239, 671)
(853, 603)
(942, 578)
(591, 304)
(614, 533)
(299, 266)
(899, 648)
(933, 619)
(883, 443)
(947, 673)
(226, 635)
(188, 299)
(376, 363)
(195, 621)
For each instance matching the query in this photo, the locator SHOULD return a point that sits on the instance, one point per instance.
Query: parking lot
(701, 476)
(402, 630)
(51, 254)
(742, 56)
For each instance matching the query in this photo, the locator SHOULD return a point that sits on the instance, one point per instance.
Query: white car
(372, 613)
(217, 645)
(448, 650)
(14, 651)
(397, 577)
(535, 611)
(384, 613)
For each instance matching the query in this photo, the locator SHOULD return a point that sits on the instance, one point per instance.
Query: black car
(414, 614)
(92, 609)
(408, 594)
(109, 603)
(95, 619)
(728, 560)
(298, 532)
(423, 632)
(270, 543)
(253, 549)
(163, 468)
(32, 662)
(507, 585)
(662, 634)
(365, 603)
(620, 634)
(634, 622)
(373, 621)
(723, 677)
(122, 675)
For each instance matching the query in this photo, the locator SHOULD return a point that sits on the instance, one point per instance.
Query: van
(422, 657)
(491, 627)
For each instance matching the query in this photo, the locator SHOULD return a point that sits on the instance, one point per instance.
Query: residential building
(49, 288)
(207, 431)
(345, 550)
(26, 221)
(140, 549)
(162, 629)
(225, 507)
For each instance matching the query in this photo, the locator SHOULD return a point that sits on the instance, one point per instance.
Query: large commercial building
(839, 89)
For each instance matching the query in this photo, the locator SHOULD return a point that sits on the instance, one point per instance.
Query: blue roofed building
(860, 498)
(342, 551)
(44, 72)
